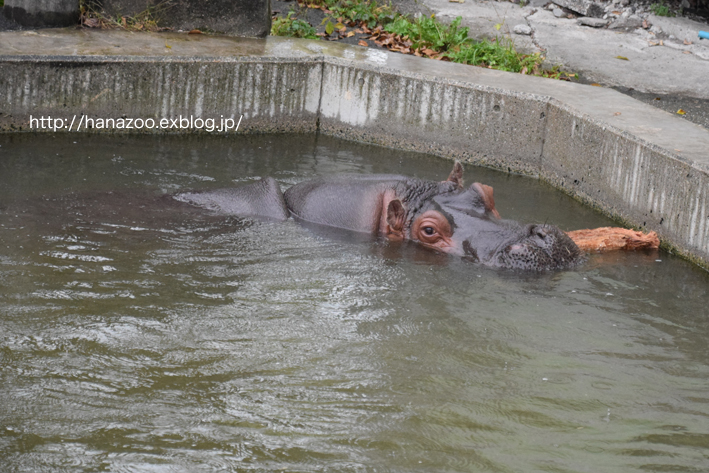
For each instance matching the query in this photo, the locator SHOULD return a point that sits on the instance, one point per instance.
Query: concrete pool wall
(642, 166)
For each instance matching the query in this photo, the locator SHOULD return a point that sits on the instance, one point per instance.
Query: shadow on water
(138, 333)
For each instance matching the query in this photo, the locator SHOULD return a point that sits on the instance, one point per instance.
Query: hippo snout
(540, 248)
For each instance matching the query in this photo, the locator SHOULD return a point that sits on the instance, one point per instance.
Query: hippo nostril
(537, 230)
(539, 233)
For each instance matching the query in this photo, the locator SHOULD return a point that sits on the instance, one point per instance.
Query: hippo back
(352, 202)
(261, 199)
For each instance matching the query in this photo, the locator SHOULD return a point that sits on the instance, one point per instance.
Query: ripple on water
(137, 334)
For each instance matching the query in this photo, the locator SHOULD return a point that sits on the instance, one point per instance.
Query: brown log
(613, 238)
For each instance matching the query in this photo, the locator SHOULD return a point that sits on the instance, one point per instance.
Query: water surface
(137, 335)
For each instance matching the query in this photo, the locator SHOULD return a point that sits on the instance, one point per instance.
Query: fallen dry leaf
(681, 112)
(687, 42)
(363, 43)
(596, 85)
(616, 114)
(92, 23)
(195, 32)
(686, 52)
(623, 58)
(350, 34)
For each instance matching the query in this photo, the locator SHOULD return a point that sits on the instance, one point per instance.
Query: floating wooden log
(614, 238)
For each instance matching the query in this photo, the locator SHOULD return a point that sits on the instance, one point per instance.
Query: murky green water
(137, 336)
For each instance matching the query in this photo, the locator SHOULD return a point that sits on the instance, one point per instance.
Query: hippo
(443, 216)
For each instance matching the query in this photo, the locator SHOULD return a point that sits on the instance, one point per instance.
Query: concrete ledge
(273, 96)
(637, 164)
(476, 124)
(632, 180)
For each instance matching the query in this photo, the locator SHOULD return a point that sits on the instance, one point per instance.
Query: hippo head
(463, 221)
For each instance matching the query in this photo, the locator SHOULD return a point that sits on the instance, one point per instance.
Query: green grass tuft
(451, 42)
(496, 55)
(427, 32)
(293, 27)
(660, 9)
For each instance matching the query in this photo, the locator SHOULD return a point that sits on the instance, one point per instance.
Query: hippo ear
(487, 197)
(395, 220)
(456, 175)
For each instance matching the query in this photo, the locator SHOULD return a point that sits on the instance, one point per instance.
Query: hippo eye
(432, 229)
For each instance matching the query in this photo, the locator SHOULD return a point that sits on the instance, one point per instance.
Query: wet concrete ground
(696, 110)
(8, 25)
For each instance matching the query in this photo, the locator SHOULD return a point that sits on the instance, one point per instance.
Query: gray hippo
(444, 216)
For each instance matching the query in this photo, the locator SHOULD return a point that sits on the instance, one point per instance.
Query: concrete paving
(660, 69)
(594, 52)
(670, 68)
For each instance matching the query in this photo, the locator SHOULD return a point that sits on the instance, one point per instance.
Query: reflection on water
(139, 334)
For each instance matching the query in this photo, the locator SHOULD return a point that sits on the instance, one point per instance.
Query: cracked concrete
(670, 67)
(595, 54)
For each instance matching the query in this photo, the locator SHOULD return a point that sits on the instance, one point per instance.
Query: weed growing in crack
(421, 36)
(292, 27)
